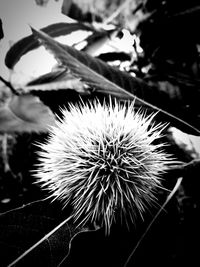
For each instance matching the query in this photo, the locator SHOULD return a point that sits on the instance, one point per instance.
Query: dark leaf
(49, 77)
(72, 10)
(110, 80)
(23, 227)
(1, 30)
(29, 43)
(112, 56)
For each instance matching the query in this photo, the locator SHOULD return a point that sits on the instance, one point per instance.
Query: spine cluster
(102, 159)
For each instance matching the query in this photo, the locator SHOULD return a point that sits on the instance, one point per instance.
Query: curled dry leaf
(25, 113)
(187, 143)
(70, 84)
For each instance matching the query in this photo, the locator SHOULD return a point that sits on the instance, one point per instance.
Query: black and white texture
(103, 160)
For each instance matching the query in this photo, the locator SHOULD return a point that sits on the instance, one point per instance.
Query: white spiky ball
(101, 158)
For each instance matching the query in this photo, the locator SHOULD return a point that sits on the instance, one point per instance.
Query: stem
(9, 85)
(185, 169)
(157, 214)
(186, 12)
(39, 242)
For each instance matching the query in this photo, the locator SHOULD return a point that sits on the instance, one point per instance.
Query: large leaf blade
(93, 71)
(110, 80)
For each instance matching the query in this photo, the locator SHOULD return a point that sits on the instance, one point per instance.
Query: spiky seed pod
(103, 161)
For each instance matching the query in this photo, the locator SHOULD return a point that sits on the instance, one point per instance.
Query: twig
(186, 12)
(9, 85)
